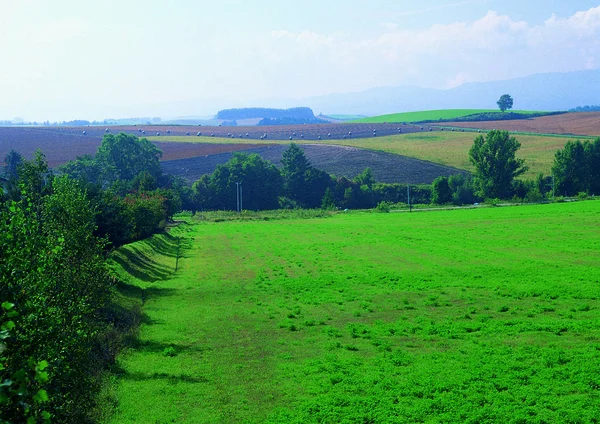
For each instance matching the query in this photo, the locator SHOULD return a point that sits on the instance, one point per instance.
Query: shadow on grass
(135, 263)
(171, 378)
(158, 347)
(139, 265)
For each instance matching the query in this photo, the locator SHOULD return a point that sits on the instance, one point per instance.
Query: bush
(383, 207)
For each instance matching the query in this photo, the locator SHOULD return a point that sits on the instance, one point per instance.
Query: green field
(482, 315)
(429, 115)
(447, 148)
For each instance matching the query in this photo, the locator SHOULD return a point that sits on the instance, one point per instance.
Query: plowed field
(579, 123)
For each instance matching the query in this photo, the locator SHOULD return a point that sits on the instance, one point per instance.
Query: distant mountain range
(543, 92)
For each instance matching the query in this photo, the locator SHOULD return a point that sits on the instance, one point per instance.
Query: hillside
(574, 123)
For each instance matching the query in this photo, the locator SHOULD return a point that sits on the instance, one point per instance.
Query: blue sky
(66, 59)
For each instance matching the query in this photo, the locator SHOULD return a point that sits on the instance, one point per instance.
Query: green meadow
(480, 315)
(429, 115)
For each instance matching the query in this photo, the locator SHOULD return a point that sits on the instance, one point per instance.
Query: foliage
(383, 207)
(577, 168)
(12, 160)
(505, 102)
(52, 270)
(260, 184)
(463, 190)
(124, 156)
(328, 202)
(587, 108)
(440, 191)
(495, 163)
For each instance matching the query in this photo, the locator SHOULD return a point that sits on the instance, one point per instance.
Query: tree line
(575, 171)
(297, 184)
(57, 317)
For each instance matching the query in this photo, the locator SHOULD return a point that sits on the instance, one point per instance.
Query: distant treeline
(494, 116)
(304, 113)
(290, 121)
(587, 108)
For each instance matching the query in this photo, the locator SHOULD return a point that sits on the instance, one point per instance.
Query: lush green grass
(486, 315)
(429, 115)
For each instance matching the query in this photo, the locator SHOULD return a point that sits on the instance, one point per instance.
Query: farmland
(448, 148)
(428, 115)
(201, 154)
(307, 321)
(336, 160)
(577, 123)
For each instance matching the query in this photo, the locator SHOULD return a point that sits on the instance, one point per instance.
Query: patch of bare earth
(576, 123)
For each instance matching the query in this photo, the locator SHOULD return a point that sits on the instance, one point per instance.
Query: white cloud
(492, 47)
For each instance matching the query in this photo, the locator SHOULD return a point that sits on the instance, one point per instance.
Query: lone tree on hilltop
(496, 166)
(505, 102)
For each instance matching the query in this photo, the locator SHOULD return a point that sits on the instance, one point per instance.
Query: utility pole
(408, 197)
(237, 197)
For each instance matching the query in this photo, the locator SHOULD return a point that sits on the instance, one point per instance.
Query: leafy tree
(124, 156)
(440, 191)
(294, 166)
(85, 169)
(569, 168)
(366, 177)
(328, 202)
(592, 167)
(462, 189)
(52, 270)
(576, 167)
(316, 182)
(260, 180)
(496, 166)
(505, 102)
(13, 160)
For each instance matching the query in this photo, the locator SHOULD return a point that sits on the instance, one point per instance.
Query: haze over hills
(548, 91)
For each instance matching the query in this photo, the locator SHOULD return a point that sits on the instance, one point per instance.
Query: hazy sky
(67, 59)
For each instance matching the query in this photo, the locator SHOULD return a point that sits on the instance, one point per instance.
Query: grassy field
(446, 148)
(429, 115)
(483, 315)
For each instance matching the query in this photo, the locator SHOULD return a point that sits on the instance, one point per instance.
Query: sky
(73, 59)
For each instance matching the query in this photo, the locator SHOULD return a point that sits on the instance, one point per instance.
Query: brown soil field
(576, 123)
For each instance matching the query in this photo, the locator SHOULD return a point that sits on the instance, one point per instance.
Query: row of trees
(56, 314)
(55, 291)
(576, 170)
(296, 185)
